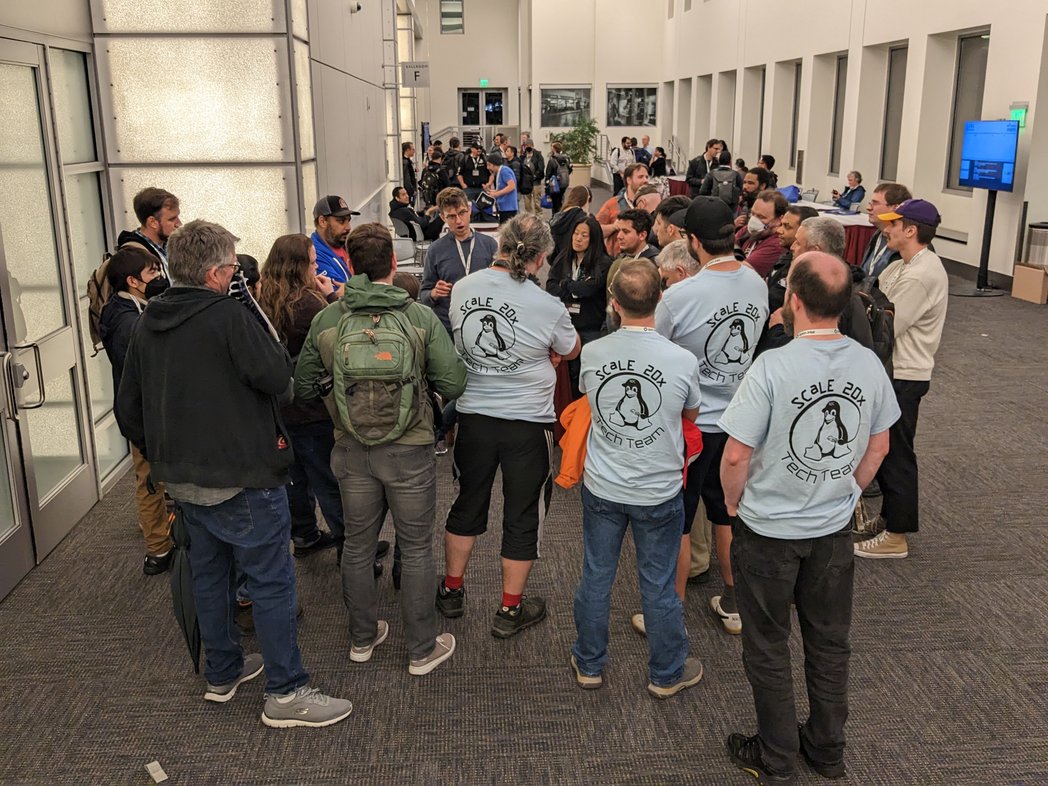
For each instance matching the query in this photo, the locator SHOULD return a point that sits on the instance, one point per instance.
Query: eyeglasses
(235, 265)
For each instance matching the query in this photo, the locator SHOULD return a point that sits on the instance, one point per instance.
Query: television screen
(988, 154)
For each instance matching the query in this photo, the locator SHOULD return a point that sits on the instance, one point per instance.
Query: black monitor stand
(982, 281)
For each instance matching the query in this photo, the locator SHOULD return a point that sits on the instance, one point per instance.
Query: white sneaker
(443, 650)
(731, 620)
(363, 654)
(637, 621)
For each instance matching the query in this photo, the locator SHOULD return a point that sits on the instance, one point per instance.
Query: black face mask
(156, 286)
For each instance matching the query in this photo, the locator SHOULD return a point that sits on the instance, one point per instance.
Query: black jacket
(198, 393)
(590, 291)
(115, 326)
(300, 412)
(430, 226)
(698, 168)
(410, 179)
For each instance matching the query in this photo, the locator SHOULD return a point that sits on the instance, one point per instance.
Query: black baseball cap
(332, 206)
(706, 218)
(679, 219)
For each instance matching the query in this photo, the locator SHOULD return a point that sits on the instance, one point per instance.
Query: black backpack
(429, 185)
(527, 179)
(880, 311)
(726, 187)
(452, 162)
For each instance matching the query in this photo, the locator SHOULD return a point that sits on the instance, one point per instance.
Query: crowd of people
(727, 397)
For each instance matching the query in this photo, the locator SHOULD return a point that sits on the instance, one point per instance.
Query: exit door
(46, 466)
(482, 107)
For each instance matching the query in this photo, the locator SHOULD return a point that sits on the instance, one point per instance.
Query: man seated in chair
(429, 222)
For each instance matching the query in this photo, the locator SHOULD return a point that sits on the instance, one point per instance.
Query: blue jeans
(312, 482)
(249, 532)
(656, 534)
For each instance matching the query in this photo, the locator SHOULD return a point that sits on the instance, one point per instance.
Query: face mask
(755, 225)
(156, 286)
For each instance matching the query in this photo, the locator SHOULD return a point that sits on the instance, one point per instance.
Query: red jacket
(761, 253)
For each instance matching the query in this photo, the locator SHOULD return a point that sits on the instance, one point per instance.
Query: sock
(509, 600)
(453, 582)
(728, 600)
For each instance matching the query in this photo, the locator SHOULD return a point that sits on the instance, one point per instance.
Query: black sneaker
(701, 578)
(382, 550)
(513, 619)
(451, 603)
(834, 770)
(745, 753)
(154, 566)
(325, 540)
(873, 490)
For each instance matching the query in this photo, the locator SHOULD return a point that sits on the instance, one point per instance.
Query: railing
(677, 155)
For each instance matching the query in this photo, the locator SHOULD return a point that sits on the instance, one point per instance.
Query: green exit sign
(483, 82)
(1018, 113)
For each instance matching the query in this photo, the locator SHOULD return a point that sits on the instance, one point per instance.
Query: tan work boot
(886, 545)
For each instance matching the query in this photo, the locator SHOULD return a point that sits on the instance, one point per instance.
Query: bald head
(822, 283)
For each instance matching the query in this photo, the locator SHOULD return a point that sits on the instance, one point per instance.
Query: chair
(811, 195)
(410, 231)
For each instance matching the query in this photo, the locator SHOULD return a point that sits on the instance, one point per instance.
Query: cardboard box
(1030, 284)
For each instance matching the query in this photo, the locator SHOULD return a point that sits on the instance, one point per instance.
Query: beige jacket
(919, 289)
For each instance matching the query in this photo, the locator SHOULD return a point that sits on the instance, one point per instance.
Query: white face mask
(755, 225)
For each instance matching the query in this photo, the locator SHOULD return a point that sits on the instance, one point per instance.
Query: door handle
(22, 376)
(7, 368)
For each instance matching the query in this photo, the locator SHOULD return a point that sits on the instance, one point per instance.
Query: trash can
(1037, 245)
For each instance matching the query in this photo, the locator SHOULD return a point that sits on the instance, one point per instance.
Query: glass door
(16, 543)
(44, 383)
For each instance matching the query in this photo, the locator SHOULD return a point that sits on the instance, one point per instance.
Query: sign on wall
(562, 106)
(415, 74)
(632, 106)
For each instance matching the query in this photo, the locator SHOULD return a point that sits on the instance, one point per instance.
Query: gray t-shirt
(504, 330)
(638, 384)
(448, 260)
(808, 410)
(717, 316)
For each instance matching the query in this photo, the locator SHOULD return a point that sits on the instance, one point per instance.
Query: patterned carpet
(949, 673)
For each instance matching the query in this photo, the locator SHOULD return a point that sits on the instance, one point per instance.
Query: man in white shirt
(918, 286)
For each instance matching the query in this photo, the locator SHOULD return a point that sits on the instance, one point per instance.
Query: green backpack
(377, 376)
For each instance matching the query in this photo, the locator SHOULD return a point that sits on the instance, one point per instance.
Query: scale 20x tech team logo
(730, 343)
(823, 433)
(628, 400)
(488, 335)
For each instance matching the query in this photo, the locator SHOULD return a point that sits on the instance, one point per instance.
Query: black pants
(506, 215)
(897, 476)
(817, 575)
(704, 482)
(556, 200)
(522, 449)
(575, 366)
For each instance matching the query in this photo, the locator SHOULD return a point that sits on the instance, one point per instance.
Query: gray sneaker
(304, 707)
(222, 693)
(363, 654)
(442, 650)
(690, 676)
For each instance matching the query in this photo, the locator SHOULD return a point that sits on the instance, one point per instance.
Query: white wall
(815, 30)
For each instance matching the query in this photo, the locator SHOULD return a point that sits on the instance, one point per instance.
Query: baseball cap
(332, 206)
(495, 157)
(679, 218)
(706, 217)
(917, 210)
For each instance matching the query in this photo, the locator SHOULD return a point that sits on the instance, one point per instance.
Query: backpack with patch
(563, 172)
(429, 185)
(98, 294)
(725, 187)
(527, 179)
(377, 375)
(880, 311)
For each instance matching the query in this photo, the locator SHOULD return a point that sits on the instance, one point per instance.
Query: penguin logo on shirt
(631, 409)
(831, 440)
(736, 347)
(489, 342)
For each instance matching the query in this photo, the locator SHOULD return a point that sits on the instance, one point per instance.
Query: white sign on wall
(415, 74)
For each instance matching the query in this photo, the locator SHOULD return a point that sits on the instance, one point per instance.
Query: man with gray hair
(820, 233)
(220, 448)
(676, 263)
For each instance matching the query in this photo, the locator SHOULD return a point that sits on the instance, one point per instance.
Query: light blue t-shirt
(638, 383)
(808, 410)
(506, 201)
(504, 330)
(718, 317)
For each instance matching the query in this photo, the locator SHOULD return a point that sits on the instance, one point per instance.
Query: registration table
(857, 230)
(678, 186)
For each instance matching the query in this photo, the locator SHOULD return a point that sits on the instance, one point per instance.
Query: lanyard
(818, 332)
(718, 261)
(637, 329)
(466, 260)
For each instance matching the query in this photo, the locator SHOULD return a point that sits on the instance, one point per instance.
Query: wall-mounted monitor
(988, 154)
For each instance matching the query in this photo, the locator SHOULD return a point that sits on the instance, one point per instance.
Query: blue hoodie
(329, 263)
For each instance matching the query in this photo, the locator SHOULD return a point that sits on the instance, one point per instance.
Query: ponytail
(524, 238)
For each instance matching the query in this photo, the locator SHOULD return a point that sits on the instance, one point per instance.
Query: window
(893, 97)
(837, 132)
(796, 113)
(967, 102)
(451, 17)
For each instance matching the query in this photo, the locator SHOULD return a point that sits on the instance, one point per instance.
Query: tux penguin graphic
(736, 347)
(489, 343)
(631, 410)
(831, 440)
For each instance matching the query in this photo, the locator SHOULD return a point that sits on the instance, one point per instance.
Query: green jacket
(444, 370)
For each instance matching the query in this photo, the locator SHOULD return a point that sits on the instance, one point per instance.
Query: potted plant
(580, 145)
